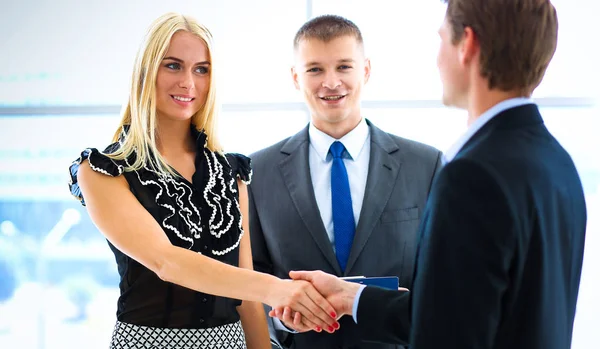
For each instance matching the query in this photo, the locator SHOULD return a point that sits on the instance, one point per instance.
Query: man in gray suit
(341, 195)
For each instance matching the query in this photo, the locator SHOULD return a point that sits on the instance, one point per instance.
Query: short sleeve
(241, 166)
(98, 162)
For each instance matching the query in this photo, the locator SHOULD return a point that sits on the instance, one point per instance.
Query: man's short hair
(327, 28)
(517, 38)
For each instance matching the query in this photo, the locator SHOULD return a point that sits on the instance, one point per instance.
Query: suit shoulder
(268, 154)
(417, 148)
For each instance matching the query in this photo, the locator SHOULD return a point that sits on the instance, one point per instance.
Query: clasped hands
(313, 300)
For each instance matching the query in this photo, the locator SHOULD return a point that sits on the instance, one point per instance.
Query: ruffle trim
(180, 215)
(241, 167)
(221, 195)
(98, 162)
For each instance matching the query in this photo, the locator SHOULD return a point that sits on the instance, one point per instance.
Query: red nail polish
(333, 314)
(330, 328)
(318, 328)
(336, 325)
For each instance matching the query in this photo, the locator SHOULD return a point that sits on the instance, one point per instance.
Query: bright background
(64, 73)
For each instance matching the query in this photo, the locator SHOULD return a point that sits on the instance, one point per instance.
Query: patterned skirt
(128, 336)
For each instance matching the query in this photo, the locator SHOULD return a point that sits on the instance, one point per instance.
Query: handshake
(312, 300)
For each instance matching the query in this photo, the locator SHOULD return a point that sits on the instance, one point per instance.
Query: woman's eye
(202, 70)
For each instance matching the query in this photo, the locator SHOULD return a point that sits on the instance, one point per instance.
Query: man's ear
(295, 77)
(367, 69)
(469, 46)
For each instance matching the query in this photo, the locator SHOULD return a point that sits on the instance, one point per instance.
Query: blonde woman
(173, 208)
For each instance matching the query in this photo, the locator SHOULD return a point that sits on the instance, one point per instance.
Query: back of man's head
(327, 28)
(517, 39)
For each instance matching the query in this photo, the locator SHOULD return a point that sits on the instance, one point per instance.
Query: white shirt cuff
(278, 325)
(355, 304)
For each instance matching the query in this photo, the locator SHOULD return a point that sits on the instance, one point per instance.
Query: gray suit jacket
(287, 232)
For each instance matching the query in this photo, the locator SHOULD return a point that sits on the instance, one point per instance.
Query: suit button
(201, 321)
(204, 300)
(205, 247)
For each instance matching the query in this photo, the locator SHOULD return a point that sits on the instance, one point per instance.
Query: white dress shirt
(356, 159)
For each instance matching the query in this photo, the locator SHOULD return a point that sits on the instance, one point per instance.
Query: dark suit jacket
(501, 249)
(287, 232)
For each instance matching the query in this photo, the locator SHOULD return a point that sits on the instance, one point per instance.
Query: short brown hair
(327, 28)
(517, 38)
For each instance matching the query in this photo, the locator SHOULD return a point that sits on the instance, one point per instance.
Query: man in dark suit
(502, 238)
(351, 213)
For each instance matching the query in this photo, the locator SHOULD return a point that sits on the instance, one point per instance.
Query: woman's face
(183, 77)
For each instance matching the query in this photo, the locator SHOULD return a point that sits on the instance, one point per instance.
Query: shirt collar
(353, 141)
(480, 121)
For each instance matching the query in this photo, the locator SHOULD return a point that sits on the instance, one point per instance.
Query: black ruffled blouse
(202, 216)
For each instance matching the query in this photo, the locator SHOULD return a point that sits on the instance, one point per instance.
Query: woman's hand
(301, 297)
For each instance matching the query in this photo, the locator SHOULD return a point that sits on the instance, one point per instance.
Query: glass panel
(572, 71)
(34, 164)
(247, 132)
(35, 157)
(438, 127)
(86, 57)
(401, 40)
(59, 280)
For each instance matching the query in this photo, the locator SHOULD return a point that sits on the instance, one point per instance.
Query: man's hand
(313, 310)
(339, 293)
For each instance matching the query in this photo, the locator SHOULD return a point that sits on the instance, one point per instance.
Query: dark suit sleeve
(463, 261)
(261, 259)
(260, 253)
(383, 315)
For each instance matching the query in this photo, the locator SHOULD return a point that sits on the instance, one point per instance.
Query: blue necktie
(341, 204)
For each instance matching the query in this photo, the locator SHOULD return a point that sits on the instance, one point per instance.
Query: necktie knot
(337, 149)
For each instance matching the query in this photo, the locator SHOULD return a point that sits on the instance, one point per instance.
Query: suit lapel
(383, 171)
(296, 175)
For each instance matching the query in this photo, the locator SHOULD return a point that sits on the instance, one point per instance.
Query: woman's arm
(130, 228)
(254, 320)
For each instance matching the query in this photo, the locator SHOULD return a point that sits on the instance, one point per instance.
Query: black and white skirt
(128, 336)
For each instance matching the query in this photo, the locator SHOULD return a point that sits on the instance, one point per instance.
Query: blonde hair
(140, 111)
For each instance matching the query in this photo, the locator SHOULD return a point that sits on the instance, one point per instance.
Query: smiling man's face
(330, 76)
